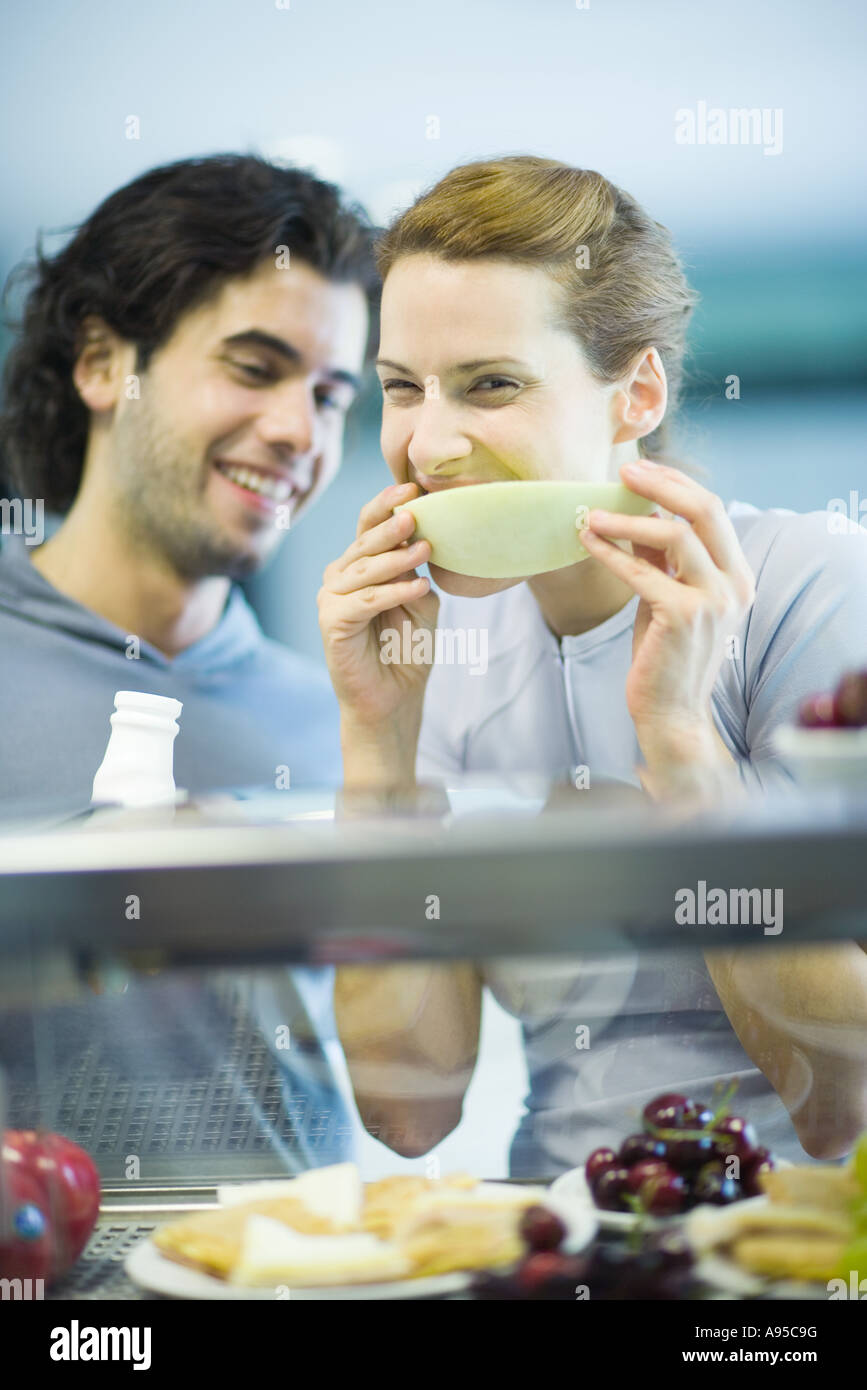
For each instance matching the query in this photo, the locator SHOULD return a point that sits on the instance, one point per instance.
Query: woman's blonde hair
(623, 285)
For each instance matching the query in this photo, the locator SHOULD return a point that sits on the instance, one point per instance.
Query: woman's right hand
(371, 588)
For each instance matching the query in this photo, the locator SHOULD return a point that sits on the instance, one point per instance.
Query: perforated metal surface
(177, 1074)
(99, 1272)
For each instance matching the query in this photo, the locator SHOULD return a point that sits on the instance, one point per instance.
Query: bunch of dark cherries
(657, 1266)
(679, 1160)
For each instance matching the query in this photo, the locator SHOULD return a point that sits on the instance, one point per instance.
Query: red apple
(49, 1202)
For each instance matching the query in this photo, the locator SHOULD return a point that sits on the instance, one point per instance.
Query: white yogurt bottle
(138, 767)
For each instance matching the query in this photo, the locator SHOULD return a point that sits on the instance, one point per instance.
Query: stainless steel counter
(238, 883)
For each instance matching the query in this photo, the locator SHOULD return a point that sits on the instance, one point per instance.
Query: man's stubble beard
(160, 501)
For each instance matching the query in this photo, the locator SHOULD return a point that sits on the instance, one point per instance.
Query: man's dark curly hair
(152, 251)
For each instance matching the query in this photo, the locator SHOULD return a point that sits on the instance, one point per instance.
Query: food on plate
(659, 1267)
(846, 708)
(512, 529)
(828, 1189)
(459, 1237)
(541, 1229)
(326, 1227)
(272, 1253)
(211, 1240)
(335, 1193)
(49, 1202)
(806, 1230)
(602, 1159)
(686, 1154)
(389, 1202)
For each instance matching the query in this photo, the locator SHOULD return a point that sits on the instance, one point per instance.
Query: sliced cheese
(335, 1192)
(512, 530)
(273, 1254)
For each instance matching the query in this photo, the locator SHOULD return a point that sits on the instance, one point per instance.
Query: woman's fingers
(383, 536)
(647, 579)
(359, 606)
(704, 511)
(673, 541)
(377, 569)
(381, 506)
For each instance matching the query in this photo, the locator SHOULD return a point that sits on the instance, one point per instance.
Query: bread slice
(458, 1238)
(710, 1226)
(211, 1240)
(829, 1189)
(389, 1202)
(790, 1255)
(323, 1228)
(800, 1232)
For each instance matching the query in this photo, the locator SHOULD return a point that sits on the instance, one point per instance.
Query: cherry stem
(639, 1211)
(720, 1113)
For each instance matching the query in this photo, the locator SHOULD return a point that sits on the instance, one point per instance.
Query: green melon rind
(508, 530)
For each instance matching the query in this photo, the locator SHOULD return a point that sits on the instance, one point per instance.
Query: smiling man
(178, 391)
(180, 385)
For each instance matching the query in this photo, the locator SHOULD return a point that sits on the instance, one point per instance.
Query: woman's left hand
(695, 587)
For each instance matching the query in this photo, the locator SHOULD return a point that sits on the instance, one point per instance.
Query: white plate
(721, 1274)
(824, 757)
(148, 1268)
(574, 1187)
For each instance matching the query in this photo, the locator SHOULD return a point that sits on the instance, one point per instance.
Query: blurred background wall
(773, 241)
(772, 233)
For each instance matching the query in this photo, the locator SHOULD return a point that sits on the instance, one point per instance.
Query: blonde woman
(533, 327)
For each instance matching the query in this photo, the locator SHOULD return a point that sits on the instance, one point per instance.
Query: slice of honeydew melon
(508, 530)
